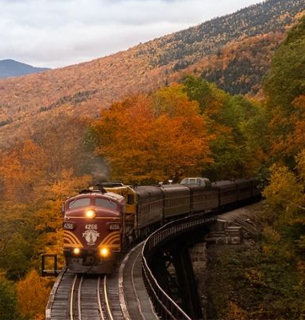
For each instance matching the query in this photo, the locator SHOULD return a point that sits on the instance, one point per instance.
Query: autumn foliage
(149, 139)
(36, 176)
(233, 51)
(187, 128)
(32, 293)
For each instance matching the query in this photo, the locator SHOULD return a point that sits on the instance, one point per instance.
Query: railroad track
(84, 297)
(89, 299)
(118, 296)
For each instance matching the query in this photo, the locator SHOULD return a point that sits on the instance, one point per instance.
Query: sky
(57, 33)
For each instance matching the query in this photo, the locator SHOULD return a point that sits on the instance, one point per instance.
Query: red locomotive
(92, 231)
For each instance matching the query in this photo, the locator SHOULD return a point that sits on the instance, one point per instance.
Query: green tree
(233, 120)
(286, 78)
(8, 300)
(285, 86)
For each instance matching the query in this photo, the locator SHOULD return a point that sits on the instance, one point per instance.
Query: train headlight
(76, 251)
(90, 214)
(104, 252)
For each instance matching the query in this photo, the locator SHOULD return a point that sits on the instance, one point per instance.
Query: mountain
(234, 51)
(12, 68)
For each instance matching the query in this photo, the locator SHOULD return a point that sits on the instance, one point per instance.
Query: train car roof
(223, 184)
(197, 187)
(176, 186)
(242, 180)
(142, 190)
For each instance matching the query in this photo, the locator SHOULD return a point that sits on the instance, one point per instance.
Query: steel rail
(107, 300)
(72, 298)
(79, 292)
(99, 298)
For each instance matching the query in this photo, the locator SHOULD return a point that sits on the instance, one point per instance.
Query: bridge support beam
(187, 283)
(173, 269)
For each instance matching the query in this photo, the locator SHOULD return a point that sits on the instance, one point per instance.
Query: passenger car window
(83, 202)
(105, 203)
(200, 182)
(207, 183)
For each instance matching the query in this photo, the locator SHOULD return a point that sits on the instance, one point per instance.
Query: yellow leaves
(235, 312)
(254, 277)
(173, 102)
(30, 215)
(68, 184)
(32, 295)
(272, 234)
(284, 191)
(295, 140)
(272, 239)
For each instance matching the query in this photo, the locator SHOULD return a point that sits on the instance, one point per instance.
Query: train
(101, 222)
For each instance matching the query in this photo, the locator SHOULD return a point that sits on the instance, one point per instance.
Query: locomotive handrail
(165, 306)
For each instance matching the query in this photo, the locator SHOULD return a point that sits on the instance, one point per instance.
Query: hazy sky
(56, 33)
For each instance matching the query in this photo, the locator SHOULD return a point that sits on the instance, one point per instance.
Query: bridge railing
(165, 306)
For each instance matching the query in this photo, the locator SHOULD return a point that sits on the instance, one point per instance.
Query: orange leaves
(32, 296)
(148, 140)
(20, 170)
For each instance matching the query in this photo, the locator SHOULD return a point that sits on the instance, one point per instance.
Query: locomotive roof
(111, 195)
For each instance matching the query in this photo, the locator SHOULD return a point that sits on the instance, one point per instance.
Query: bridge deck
(136, 298)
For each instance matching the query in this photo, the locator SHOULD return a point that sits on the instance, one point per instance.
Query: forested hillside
(86, 88)
(240, 66)
(186, 128)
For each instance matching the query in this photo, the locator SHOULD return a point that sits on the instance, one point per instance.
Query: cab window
(105, 203)
(82, 202)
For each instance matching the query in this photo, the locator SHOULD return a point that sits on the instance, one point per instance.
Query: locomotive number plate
(91, 227)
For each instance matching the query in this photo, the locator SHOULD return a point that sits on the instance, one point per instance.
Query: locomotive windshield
(105, 203)
(83, 202)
